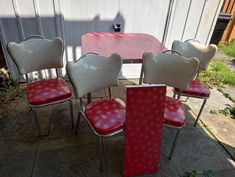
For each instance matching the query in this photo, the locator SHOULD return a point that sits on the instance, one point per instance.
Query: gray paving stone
(17, 158)
(196, 150)
(67, 157)
(220, 125)
(62, 154)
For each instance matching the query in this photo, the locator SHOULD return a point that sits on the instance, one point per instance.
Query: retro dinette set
(147, 108)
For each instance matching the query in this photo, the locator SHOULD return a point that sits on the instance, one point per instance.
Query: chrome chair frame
(34, 107)
(102, 158)
(193, 96)
(178, 128)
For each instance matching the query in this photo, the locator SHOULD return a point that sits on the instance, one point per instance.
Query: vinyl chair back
(37, 54)
(94, 72)
(34, 54)
(143, 129)
(170, 69)
(193, 48)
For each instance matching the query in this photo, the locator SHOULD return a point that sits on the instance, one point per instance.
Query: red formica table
(130, 46)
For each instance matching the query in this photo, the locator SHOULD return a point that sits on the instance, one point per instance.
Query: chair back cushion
(143, 129)
(94, 72)
(196, 49)
(37, 54)
(170, 69)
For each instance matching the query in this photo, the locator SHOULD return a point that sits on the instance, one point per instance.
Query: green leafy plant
(4, 93)
(228, 47)
(205, 173)
(218, 74)
(213, 112)
(229, 111)
(193, 173)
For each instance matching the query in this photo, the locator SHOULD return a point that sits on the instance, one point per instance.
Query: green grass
(218, 74)
(228, 47)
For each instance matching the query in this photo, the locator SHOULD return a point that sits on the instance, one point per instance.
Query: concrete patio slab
(220, 125)
(62, 154)
(17, 158)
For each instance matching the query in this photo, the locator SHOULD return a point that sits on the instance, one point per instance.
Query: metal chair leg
(174, 95)
(71, 113)
(110, 92)
(102, 159)
(199, 114)
(36, 122)
(174, 143)
(77, 125)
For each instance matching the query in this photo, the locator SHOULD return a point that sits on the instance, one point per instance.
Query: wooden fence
(229, 7)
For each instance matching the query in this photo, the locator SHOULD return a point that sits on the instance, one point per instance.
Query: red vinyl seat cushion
(106, 115)
(47, 91)
(174, 112)
(196, 88)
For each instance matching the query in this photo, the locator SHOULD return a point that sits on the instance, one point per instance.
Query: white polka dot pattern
(106, 115)
(47, 91)
(174, 112)
(196, 88)
(143, 130)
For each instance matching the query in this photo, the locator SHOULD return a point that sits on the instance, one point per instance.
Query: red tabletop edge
(130, 46)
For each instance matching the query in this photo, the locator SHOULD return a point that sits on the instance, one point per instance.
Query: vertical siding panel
(69, 19)
(59, 22)
(27, 18)
(178, 18)
(11, 66)
(201, 15)
(208, 20)
(18, 20)
(186, 20)
(38, 21)
(216, 14)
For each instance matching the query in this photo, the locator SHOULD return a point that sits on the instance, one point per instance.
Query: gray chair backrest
(37, 54)
(193, 48)
(94, 72)
(169, 69)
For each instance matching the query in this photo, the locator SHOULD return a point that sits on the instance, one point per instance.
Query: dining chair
(106, 116)
(205, 53)
(143, 128)
(36, 53)
(172, 70)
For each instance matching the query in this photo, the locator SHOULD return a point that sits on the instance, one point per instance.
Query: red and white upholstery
(143, 129)
(193, 48)
(174, 113)
(106, 116)
(196, 88)
(47, 90)
(164, 69)
(34, 54)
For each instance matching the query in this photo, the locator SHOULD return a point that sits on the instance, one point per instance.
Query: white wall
(69, 19)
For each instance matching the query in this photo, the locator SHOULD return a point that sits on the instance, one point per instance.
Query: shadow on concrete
(62, 153)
